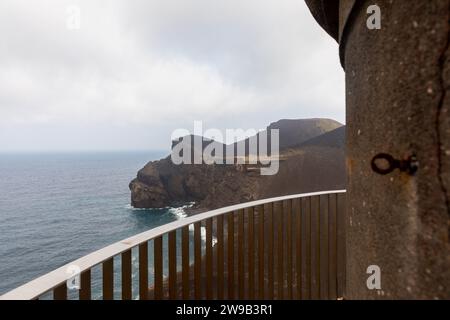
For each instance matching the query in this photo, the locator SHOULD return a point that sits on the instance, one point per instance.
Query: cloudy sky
(137, 70)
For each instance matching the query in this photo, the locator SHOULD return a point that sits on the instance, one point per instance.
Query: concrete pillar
(398, 100)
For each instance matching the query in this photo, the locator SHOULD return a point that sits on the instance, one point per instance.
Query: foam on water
(180, 212)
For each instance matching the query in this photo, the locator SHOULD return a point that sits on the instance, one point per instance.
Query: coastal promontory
(312, 158)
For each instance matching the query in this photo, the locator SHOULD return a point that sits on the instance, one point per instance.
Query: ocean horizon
(57, 207)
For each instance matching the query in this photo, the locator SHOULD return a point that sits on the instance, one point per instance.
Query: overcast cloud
(137, 70)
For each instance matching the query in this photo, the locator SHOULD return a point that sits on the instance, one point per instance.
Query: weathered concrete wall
(398, 82)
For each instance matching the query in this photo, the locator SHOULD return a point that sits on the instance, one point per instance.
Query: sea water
(55, 208)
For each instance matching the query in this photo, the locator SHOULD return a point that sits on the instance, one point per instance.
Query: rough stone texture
(345, 11)
(397, 102)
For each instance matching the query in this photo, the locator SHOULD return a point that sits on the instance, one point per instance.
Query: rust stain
(405, 178)
(350, 164)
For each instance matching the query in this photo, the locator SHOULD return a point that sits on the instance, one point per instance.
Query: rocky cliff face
(312, 159)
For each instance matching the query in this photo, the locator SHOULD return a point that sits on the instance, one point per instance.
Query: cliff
(312, 159)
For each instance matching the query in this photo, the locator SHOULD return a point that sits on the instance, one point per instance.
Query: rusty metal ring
(393, 164)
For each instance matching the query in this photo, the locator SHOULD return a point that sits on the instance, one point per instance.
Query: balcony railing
(290, 247)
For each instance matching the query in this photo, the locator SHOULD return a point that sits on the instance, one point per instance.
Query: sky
(99, 75)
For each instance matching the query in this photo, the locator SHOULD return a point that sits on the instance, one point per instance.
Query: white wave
(180, 212)
(130, 207)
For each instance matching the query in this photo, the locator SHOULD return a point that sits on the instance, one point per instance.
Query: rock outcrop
(312, 159)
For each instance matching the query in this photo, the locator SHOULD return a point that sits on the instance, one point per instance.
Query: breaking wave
(179, 213)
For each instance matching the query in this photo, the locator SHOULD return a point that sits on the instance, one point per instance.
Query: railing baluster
(108, 279)
(220, 249)
(341, 244)
(198, 260)
(289, 248)
(173, 265)
(324, 248)
(298, 246)
(185, 262)
(126, 275)
(315, 254)
(270, 251)
(251, 253)
(85, 285)
(332, 241)
(280, 266)
(261, 252)
(60, 292)
(240, 255)
(306, 246)
(158, 267)
(143, 271)
(209, 260)
(230, 255)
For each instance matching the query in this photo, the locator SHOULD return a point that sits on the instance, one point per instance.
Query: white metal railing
(282, 211)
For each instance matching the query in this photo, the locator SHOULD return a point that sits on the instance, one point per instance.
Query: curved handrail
(51, 280)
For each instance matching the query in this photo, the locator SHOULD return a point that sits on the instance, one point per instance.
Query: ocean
(55, 208)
